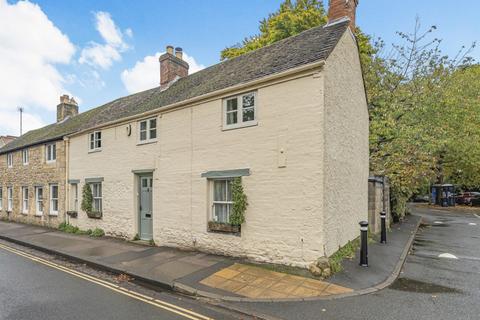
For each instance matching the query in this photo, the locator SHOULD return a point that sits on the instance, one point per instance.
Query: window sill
(51, 162)
(241, 125)
(141, 143)
(25, 213)
(94, 150)
(225, 228)
(39, 214)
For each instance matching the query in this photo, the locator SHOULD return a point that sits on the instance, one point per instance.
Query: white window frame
(39, 200)
(95, 186)
(9, 199)
(95, 141)
(228, 203)
(239, 112)
(53, 200)
(51, 152)
(1, 198)
(10, 160)
(25, 156)
(25, 200)
(74, 197)
(148, 130)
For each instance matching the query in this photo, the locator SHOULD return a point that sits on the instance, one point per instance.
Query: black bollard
(364, 243)
(383, 234)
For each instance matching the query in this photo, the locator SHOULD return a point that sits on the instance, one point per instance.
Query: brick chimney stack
(339, 9)
(172, 66)
(68, 107)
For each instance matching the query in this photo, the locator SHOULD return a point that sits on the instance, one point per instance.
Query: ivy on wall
(87, 198)
(240, 203)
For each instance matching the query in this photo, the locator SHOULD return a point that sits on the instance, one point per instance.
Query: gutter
(207, 96)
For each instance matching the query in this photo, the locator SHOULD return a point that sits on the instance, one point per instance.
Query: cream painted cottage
(290, 120)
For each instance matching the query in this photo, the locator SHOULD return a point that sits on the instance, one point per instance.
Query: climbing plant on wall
(87, 198)
(240, 203)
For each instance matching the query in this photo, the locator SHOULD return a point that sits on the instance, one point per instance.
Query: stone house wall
(378, 201)
(346, 145)
(36, 173)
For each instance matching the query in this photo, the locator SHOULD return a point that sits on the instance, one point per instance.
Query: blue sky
(101, 50)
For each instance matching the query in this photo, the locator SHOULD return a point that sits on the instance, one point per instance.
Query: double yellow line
(132, 294)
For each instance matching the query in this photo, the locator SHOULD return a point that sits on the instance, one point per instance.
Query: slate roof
(307, 47)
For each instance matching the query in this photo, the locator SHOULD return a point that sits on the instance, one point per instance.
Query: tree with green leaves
(423, 105)
(289, 20)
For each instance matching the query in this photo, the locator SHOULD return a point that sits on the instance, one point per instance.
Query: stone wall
(36, 173)
(378, 201)
(346, 145)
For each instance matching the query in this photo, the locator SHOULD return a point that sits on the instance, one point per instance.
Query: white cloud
(30, 48)
(104, 55)
(146, 73)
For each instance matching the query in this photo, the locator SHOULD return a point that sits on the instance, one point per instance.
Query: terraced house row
(290, 120)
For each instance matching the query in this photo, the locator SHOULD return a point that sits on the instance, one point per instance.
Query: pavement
(432, 284)
(43, 288)
(218, 277)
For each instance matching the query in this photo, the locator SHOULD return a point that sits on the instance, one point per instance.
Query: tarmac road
(429, 287)
(32, 287)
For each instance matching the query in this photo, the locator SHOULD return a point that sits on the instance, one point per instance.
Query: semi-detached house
(289, 119)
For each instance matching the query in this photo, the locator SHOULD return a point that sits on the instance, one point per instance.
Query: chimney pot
(172, 67)
(179, 53)
(339, 9)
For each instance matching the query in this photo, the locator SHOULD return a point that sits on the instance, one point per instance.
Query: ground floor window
(25, 199)
(222, 200)
(9, 198)
(39, 200)
(1, 198)
(54, 199)
(97, 196)
(74, 197)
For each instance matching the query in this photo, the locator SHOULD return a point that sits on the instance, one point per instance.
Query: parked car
(466, 198)
(420, 198)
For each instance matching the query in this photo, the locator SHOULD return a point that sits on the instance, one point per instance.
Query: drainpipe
(67, 189)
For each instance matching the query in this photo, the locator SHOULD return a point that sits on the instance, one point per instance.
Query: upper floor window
(148, 130)
(51, 152)
(95, 141)
(25, 156)
(240, 111)
(10, 160)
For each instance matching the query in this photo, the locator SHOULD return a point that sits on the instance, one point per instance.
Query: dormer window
(95, 141)
(240, 111)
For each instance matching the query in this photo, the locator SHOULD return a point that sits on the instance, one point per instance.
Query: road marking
(135, 295)
(447, 256)
(438, 222)
(476, 215)
(472, 224)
